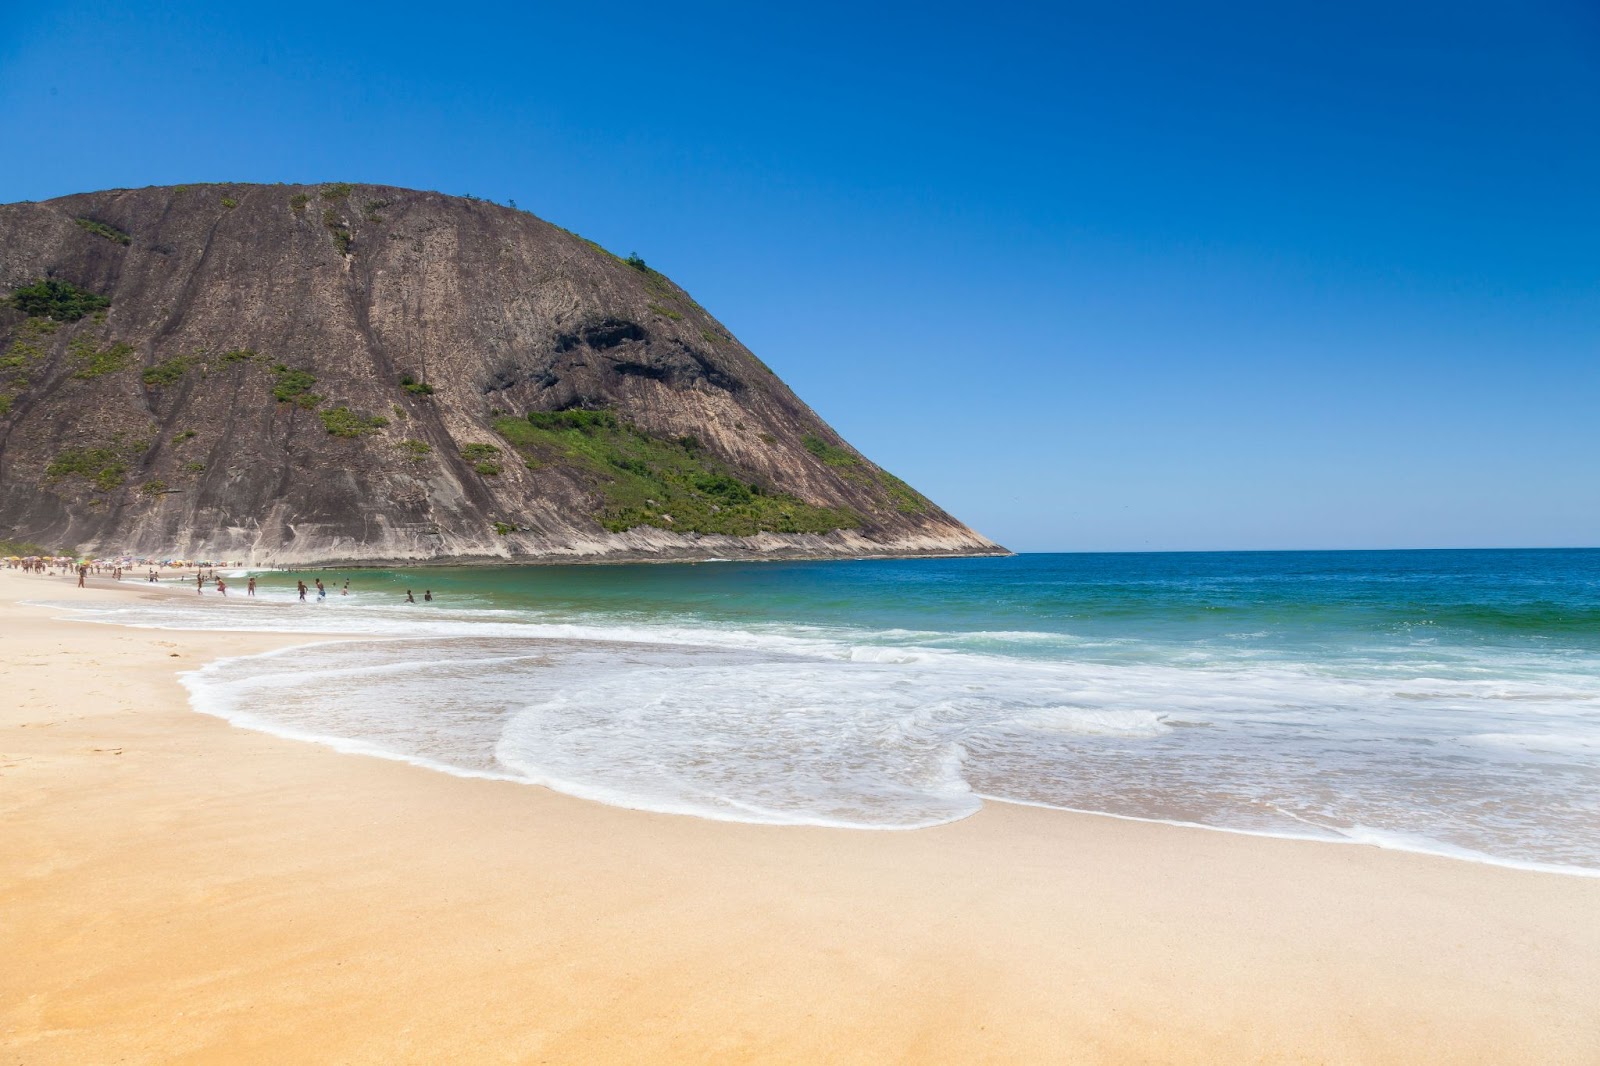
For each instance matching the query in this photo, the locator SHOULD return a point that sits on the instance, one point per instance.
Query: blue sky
(1095, 277)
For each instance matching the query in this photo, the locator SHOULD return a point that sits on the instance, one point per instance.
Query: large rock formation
(362, 373)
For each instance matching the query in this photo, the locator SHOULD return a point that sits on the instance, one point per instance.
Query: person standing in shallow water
(427, 596)
(410, 598)
(250, 587)
(322, 592)
(346, 590)
(302, 585)
(199, 583)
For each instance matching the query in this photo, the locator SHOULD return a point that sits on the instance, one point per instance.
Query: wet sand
(174, 889)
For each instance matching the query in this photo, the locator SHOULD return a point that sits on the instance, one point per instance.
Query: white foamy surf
(1488, 757)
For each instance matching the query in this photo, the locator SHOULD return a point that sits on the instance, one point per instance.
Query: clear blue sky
(1095, 277)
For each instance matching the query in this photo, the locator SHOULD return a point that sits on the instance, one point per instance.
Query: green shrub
(229, 202)
(666, 312)
(644, 480)
(105, 468)
(57, 299)
(154, 487)
(167, 372)
(636, 262)
(831, 454)
(583, 421)
(101, 229)
(6, 400)
(298, 201)
(294, 386)
(196, 467)
(502, 528)
(338, 191)
(486, 468)
(415, 387)
(184, 436)
(92, 362)
(339, 231)
(238, 355)
(343, 422)
(414, 450)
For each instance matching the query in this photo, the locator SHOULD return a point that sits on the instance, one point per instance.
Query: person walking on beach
(199, 582)
(250, 587)
(222, 586)
(410, 598)
(82, 571)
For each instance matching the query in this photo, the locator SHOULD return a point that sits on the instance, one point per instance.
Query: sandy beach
(175, 889)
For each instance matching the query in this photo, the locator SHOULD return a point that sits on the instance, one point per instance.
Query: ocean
(1445, 702)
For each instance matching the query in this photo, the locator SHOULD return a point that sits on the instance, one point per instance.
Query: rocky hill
(358, 373)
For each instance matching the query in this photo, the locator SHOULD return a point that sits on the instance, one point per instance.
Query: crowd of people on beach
(204, 574)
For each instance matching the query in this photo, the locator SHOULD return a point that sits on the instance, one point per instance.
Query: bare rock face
(358, 373)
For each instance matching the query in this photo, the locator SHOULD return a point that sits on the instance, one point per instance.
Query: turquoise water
(1441, 701)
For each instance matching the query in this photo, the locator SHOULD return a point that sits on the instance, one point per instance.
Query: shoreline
(352, 746)
(180, 889)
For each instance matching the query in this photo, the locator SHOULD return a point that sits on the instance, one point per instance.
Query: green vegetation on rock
(343, 422)
(91, 362)
(337, 191)
(101, 229)
(416, 388)
(57, 299)
(104, 467)
(666, 312)
(645, 480)
(339, 231)
(485, 458)
(831, 454)
(25, 351)
(184, 436)
(294, 386)
(154, 487)
(167, 372)
(298, 201)
(414, 450)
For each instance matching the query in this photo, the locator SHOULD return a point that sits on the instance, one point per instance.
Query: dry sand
(174, 889)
